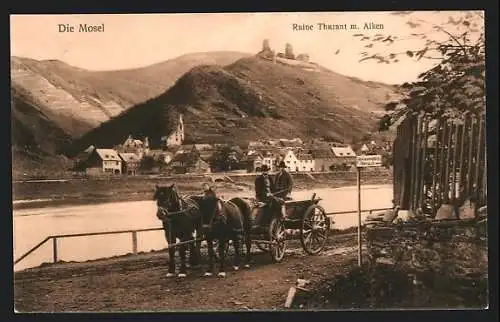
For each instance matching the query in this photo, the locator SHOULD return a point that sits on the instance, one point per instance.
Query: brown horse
(224, 221)
(181, 217)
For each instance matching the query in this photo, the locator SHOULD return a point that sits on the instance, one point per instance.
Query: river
(33, 225)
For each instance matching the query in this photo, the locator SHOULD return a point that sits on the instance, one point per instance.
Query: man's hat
(264, 168)
(282, 164)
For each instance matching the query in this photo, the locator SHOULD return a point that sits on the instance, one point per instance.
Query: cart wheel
(314, 230)
(277, 237)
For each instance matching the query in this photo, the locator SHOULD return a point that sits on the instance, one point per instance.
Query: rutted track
(139, 283)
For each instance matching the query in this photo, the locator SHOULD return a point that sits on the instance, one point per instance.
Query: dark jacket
(263, 186)
(283, 184)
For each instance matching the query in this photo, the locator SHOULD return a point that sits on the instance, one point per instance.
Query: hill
(93, 97)
(251, 98)
(54, 103)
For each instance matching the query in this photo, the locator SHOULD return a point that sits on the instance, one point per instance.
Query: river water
(32, 225)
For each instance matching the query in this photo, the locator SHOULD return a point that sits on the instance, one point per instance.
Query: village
(134, 156)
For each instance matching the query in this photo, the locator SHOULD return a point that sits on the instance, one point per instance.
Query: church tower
(146, 145)
(180, 128)
(176, 138)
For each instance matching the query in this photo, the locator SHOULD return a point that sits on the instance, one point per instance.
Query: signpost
(363, 161)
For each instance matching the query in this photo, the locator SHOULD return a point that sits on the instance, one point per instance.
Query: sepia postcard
(249, 161)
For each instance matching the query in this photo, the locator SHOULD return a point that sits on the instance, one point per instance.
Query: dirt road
(139, 283)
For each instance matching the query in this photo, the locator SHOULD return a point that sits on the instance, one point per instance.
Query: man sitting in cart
(263, 193)
(283, 183)
(264, 187)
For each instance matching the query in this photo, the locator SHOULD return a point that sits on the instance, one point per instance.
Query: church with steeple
(176, 138)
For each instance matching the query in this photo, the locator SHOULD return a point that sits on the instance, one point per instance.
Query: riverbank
(35, 194)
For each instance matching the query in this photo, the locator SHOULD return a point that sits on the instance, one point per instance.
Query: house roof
(255, 144)
(290, 143)
(108, 154)
(322, 153)
(289, 151)
(343, 152)
(251, 157)
(133, 142)
(304, 156)
(265, 151)
(129, 157)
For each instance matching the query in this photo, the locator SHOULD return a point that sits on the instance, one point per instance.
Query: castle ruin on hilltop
(269, 54)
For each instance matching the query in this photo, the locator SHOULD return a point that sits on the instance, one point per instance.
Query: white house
(270, 161)
(104, 161)
(305, 162)
(344, 155)
(262, 157)
(291, 161)
(299, 162)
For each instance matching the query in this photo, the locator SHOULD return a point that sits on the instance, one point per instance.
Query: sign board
(363, 161)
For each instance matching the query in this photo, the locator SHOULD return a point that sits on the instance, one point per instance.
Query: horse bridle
(214, 215)
(166, 214)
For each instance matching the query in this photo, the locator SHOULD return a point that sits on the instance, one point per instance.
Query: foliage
(226, 159)
(455, 85)
(147, 163)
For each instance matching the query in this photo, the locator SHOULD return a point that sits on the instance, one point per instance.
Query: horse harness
(219, 208)
(164, 214)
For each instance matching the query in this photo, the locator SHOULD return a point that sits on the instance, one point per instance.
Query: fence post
(360, 254)
(54, 249)
(134, 242)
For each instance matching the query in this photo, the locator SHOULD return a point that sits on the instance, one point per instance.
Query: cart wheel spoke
(318, 241)
(320, 234)
(308, 231)
(277, 234)
(314, 229)
(308, 224)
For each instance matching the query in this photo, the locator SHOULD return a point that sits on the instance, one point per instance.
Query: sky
(136, 40)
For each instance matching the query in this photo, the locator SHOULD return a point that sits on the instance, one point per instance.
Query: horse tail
(245, 210)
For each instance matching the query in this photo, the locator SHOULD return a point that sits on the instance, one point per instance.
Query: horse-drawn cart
(304, 216)
(266, 225)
